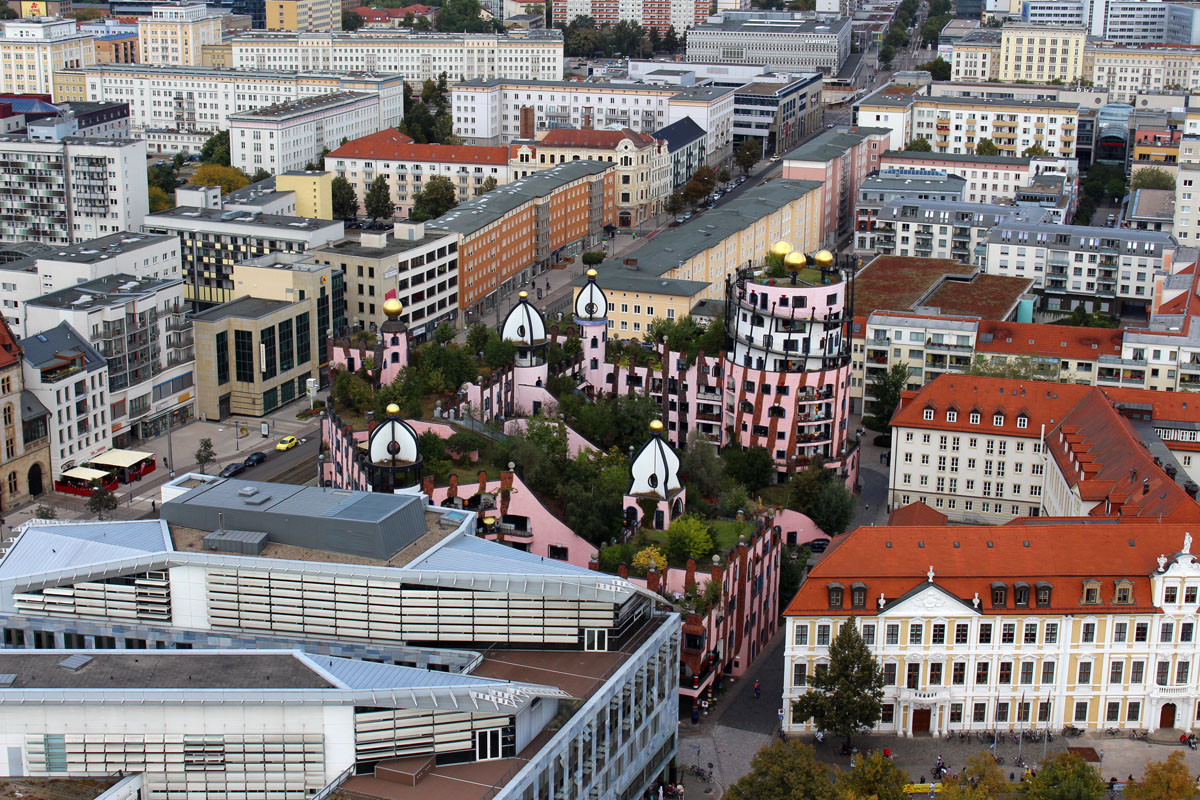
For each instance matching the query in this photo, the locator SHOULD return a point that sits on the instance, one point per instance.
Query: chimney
(528, 122)
(453, 490)
(622, 570)
(594, 562)
(1191, 488)
(689, 579)
(482, 481)
(427, 486)
(652, 580)
(586, 122)
(372, 423)
(506, 483)
(1145, 486)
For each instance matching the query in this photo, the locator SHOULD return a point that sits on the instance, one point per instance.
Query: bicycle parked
(700, 772)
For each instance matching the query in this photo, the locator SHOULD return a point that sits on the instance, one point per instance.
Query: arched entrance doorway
(1166, 717)
(35, 480)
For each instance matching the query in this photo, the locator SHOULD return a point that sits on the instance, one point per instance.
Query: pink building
(839, 159)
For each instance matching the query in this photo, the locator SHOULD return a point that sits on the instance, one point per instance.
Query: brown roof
(391, 145)
(917, 514)
(10, 351)
(896, 283)
(590, 137)
(986, 297)
(1054, 341)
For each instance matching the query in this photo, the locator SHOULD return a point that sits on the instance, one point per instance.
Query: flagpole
(1020, 735)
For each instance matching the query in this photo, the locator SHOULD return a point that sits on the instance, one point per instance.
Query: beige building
(32, 51)
(314, 192)
(1131, 71)
(24, 427)
(176, 34)
(258, 352)
(304, 15)
(976, 56)
(643, 164)
(1038, 54)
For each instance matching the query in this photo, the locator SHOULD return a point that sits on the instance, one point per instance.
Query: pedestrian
(660, 792)
(756, 690)
(851, 762)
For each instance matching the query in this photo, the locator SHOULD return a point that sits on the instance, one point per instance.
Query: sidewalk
(141, 498)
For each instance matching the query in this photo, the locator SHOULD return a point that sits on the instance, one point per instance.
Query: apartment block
(139, 326)
(1131, 70)
(882, 187)
(33, 51)
(200, 99)
(781, 41)
(528, 55)
(990, 179)
(959, 231)
(494, 112)
(1038, 54)
(285, 137)
(61, 192)
(976, 56)
(678, 14)
(687, 144)
(839, 159)
(304, 15)
(174, 34)
(407, 166)
(507, 238)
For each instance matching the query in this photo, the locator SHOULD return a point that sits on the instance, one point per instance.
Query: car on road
(255, 459)
(287, 443)
(232, 470)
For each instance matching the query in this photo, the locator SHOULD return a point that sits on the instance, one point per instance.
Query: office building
(61, 192)
(199, 100)
(33, 51)
(286, 137)
(678, 14)
(304, 15)
(174, 34)
(777, 114)
(780, 41)
(69, 378)
(25, 426)
(407, 166)
(506, 238)
(529, 55)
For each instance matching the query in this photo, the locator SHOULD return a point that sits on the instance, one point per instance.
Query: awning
(120, 458)
(85, 474)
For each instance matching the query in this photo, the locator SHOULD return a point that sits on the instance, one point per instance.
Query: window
(935, 674)
(1020, 592)
(1113, 713)
(1085, 673)
(1124, 594)
(1185, 631)
(1137, 671)
(981, 673)
(1002, 712)
(961, 632)
(1162, 673)
(835, 596)
(956, 712)
(222, 354)
(1043, 595)
(915, 633)
(958, 675)
(928, 414)
(1022, 712)
(1166, 632)
(999, 595)
(979, 712)
(858, 597)
(985, 633)
(1116, 672)
(913, 678)
(1081, 711)
(243, 356)
(1141, 632)
(1030, 633)
(868, 634)
(893, 634)
(1027, 672)
(887, 713)
(1008, 633)
(822, 635)
(1051, 633)
(1005, 674)
(1088, 634)
(1189, 595)
(889, 674)
(1181, 672)
(1133, 712)
(939, 633)
(1120, 631)
(1170, 594)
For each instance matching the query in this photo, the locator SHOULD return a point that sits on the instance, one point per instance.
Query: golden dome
(523, 295)
(393, 410)
(781, 248)
(824, 259)
(656, 426)
(393, 308)
(794, 261)
(591, 273)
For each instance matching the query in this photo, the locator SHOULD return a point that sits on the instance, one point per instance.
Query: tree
(1163, 780)
(748, 154)
(8, 13)
(844, 697)
(345, 199)
(783, 770)
(159, 200)
(723, 176)
(834, 510)
(478, 337)
(753, 467)
(676, 203)
(1034, 151)
(919, 145)
(670, 41)
(886, 54)
(44, 511)
(938, 69)
(462, 16)
(260, 174)
(886, 388)
(688, 537)
(444, 333)
(351, 21)
(875, 776)
(986, 147)
(706, 177)
(1066, 776)
(649, 558)
(702, 468)
(215, 149)
(694, 191)
(488, 184)
(102, 500)
(438, 197)
(86, 14)
(593, 258)
(984, 781)
(499, 353)
(228, 178)
(378, 202)
(1152, 178)
(205, 454)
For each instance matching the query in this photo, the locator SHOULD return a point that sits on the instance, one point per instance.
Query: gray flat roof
(354, 247)
(832, 143)
(110, 290)
(147, 669)
(481, 211)
(95, 250)
(958, 157)
(245, 307)
(900, 183)
(763, 25)
(301, 106)
(234, 217)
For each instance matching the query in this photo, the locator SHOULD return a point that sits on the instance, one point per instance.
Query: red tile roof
(592, 138)
(391, 145)
(10, 351)
(1041, 402)
(966, 560)
(917, 514)
(1051, 341)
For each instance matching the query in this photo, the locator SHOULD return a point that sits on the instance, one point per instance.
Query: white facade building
(84, 188)
(33, 50)
(175, 34)
(199, 99)
(289, 136)
(782, 42)
(530, 55)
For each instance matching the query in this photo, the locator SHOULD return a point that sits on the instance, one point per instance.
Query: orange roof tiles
(391, 145)
(966, 560)
(592, 138)
(10, 351)
(917, 514)
(1052, 341)
(1041, 403)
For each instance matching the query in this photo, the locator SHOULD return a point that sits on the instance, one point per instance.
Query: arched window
(8, 415)
(12, 483)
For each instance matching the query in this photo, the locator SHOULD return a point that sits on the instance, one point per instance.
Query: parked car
(254, 459)
(232, 470)
(287, 443)
(817, 545)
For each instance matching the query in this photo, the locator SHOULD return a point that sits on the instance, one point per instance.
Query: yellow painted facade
(70, 86)
(304, 15)
(1039, 54)
(314, 192)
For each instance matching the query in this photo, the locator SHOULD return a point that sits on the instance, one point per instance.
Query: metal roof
(45, 347)
(51, 545)
(469, 554)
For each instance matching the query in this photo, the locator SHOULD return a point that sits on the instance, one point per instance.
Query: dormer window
(858, 595)
(998, 420)
(1021, 593)
(974, 417)
(928, 414)
(1022, 422)
(951, 416)
(835, 595)
(1091, 593)
(999, 594)
(1123, 595)
(1042, 594)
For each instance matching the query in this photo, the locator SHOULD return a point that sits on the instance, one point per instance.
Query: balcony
(959, 348)
(60, 373)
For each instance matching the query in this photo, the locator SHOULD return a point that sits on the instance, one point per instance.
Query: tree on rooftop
(1152, 178)
(688, 537)
(845, 696)
(986, 147)
(378, 202)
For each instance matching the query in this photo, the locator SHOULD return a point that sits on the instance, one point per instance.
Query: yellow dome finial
(824, 259)
(393, 410)
(781, 248)
(794, 261)
(393, 308)
(591, 273)
(656, 426)
(523, 295)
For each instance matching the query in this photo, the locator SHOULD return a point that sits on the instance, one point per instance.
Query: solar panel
(75, 663)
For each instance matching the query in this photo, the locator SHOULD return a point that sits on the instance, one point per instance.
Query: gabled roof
(1047, 404)
(1051, 341)
(601, 139)
(45, 348)
(680, 133)
(917, 514)
(10, 351)
(391, 145)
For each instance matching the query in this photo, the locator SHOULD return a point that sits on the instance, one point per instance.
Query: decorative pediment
(928, 600)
